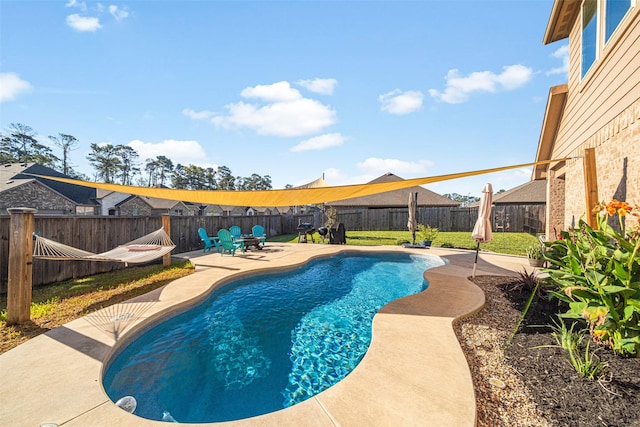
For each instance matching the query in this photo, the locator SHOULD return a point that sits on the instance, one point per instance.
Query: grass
(504, 243)
(59, 303)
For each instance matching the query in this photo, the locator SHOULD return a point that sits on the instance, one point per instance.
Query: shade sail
(287, 197)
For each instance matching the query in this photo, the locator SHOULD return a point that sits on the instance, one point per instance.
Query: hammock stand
(147, 248)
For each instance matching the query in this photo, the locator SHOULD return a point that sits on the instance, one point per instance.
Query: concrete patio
(414, 372)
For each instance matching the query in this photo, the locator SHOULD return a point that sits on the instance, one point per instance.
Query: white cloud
(198, 115)
(11, 85)
(460, 87)
(183, 152)
(83, 23)
(377, 166)
(79, 4)
(118, 13)
(320, 142)
(561, 53)
(322, 86)
(276, 92)
(283, 112)
(397, 102)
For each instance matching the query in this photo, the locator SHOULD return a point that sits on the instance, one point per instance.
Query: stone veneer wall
(127, 208)
(37, 196)
(617, 149)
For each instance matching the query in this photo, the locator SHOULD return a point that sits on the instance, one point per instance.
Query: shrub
(597, 272)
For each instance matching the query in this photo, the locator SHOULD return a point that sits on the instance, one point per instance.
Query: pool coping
(414, 372)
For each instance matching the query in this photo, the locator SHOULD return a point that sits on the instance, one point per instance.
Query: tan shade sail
(287, 197)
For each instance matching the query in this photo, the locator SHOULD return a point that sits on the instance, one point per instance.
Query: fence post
(20, 265)
(166, 224)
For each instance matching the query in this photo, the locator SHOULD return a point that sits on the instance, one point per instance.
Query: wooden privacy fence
(99, 234)
(518, 218)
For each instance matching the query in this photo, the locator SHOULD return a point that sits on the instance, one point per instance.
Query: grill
(304, 229)
(323, 231)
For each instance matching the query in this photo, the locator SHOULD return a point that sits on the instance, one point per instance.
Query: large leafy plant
(597, 272)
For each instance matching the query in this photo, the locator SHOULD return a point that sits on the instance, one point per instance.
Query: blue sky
(290, 89)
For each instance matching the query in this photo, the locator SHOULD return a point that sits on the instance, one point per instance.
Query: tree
(128, 168)
(463, 200)
(19, 144)
(105, 160)
(226, 181)
(164, 169)
(67, 143)
(150, 167)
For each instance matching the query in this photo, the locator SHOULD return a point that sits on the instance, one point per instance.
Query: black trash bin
(338, 234)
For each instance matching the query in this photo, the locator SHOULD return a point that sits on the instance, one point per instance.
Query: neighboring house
(108, 201)
(394, 199)
(233, 210)
(18, 189)
(316, 183)
(389, 210)
(597, 112)
(521, 208)
(251, 211)
(151, 206)
(212, 210)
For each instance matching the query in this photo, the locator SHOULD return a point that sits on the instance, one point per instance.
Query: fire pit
(304, 229)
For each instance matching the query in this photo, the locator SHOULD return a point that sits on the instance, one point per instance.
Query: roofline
(550, 125)
(563, 12)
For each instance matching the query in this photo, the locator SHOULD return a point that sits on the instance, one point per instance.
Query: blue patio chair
(257, 231)
(209, 242)
(236, 232)
(228, 244)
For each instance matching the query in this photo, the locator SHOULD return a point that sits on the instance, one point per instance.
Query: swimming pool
(261, 344)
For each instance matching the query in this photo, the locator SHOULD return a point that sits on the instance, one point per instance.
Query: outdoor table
(250, 241)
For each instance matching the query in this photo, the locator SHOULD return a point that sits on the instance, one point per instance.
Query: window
(589, 34)
(615, 10)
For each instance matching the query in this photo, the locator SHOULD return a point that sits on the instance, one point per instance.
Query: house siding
(602, 112)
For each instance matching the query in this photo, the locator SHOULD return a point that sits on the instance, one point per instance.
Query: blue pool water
(261, 344)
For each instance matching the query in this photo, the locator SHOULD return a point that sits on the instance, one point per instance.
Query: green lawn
(504, 243)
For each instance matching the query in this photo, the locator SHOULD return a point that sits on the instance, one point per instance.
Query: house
(594, 119)
(151, 206)
(394, 199)
(389, 210)
(20, 189)
(521, 208)
(109, 199)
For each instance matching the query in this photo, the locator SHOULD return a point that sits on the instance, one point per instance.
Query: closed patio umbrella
(482, 230)
(412, 223)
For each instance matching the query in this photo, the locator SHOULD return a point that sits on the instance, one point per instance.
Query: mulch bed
(562, 397)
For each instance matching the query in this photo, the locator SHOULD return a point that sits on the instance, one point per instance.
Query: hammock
(146, 248)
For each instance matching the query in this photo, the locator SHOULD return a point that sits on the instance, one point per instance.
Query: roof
(320, 182)
(529, 192)
(563, 15)
(15, 174)
(550, 124)
(154, 202)
(396, 198)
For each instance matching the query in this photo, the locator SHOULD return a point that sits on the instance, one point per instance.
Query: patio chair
(236, 232)
(209, 242)
(228, 244)
(257, 231)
